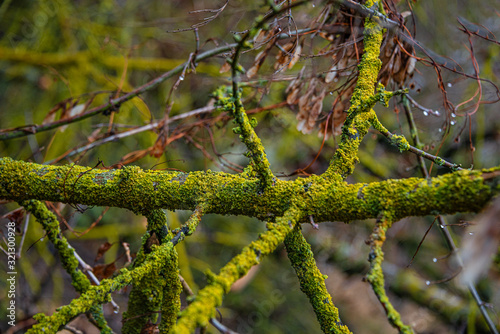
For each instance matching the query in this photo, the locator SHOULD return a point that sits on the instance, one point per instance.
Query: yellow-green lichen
(400, 142)
(376, 276)
(328, 198)
(369, 67)
(202, 308)
(78, 279)
(98, 295)
(312, 282)
(149, 294)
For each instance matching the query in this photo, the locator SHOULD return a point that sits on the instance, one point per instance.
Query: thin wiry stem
(444, 226)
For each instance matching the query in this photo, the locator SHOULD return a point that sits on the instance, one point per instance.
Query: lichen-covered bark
(158, 291)
(199, 312)
(255, 193)
(326, 199)
(98, 295)
(81, 283)
(256, 152)
(312, 283)
(376, 276)
(358, 122)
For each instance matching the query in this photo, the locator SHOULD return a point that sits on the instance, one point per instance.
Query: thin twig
(25, 229)
(113, 104)
(128, 133)
(221, 328)
(89, 271)
(419, 152)
(445, 229)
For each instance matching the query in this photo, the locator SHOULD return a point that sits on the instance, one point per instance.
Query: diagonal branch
(202, 309)
(357, 123)
(69, 261)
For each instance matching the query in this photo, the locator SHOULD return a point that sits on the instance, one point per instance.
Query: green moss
(230, 100)
(312, 282)
(401, 143)
(439, 161)
(375, 275)
(149, 294)
(202, 308)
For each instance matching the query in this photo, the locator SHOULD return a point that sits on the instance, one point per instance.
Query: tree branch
(327, 200)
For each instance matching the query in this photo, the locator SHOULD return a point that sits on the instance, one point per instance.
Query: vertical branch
(375, 275)
(171, 303)
(312, 282)
(245, 127)
(147, 296)
(69, 261)
(414, 134)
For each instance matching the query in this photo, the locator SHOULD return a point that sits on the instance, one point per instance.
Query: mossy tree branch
(137, 189)
(161, 258)
(158, 291)
(254, 193)
(81, 283)
(312, 283)
(376, 276)
(256, 152)
(357, 122)
(202, 309)
(98, 295)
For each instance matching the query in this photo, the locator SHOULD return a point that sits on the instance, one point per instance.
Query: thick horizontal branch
(325, 199)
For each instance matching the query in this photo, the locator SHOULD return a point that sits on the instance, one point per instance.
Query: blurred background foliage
(54, 51)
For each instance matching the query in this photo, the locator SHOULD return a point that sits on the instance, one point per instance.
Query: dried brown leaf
(261, 36)
(102, 250)
(225, 67)
(103, 271)
(332, 74)
(295, 57)
(283, 58)
(259, 60)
